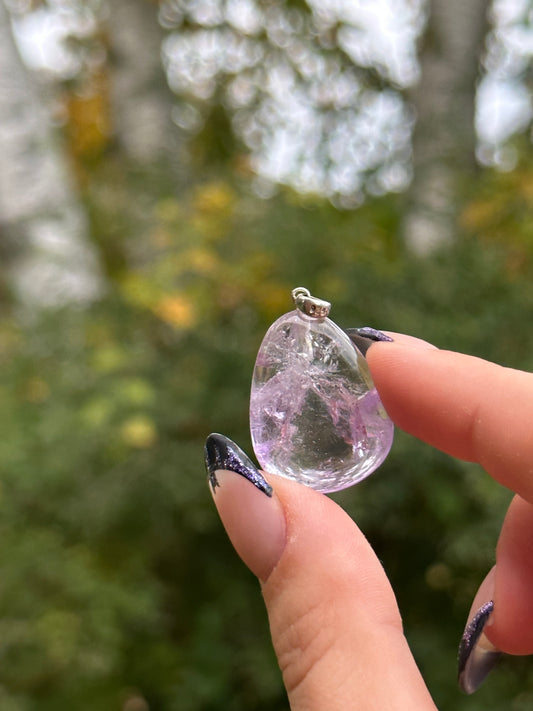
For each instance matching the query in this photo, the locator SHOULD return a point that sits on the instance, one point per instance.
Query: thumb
(334, 621)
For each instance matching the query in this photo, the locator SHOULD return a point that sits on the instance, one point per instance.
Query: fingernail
(221, 453)
(248, 508)
(364, 337)
(477, 655)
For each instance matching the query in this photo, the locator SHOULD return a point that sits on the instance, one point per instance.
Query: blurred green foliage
(118, 587)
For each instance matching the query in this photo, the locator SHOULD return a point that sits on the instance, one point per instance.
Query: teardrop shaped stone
(315, 415)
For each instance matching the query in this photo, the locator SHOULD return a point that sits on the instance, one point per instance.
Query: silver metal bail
(310, 305)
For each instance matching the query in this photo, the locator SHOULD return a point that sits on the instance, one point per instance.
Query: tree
(141, 103)
(46, 253)
(444, 140)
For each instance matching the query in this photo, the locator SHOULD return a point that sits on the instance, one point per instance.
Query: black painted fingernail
(364, 337)
(477, 656)
(221, 453)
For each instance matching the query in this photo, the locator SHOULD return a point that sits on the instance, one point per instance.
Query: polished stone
(315, 415)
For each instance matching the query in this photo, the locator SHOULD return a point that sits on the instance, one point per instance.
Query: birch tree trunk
(148, 151)
(140, 96)
(444, 140)
(46, 257)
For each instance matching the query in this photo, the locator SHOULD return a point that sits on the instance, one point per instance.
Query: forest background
(169, 172)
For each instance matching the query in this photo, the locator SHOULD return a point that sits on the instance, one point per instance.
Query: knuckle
(305, 642)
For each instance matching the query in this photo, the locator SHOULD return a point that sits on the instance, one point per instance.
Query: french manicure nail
(364, 337)
(221, 453)
(477, 655)
(250, 512)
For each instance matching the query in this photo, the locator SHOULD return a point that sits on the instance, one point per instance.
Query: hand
(335, 624)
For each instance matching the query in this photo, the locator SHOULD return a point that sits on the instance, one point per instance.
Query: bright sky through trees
(286, 127)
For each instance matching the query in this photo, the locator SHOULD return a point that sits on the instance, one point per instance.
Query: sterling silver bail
(310, 305)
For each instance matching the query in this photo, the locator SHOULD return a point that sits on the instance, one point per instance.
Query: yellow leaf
(274, 299)
(477, 215)
(89, 120)
(201, 261)
(214, 198)
(139, 432)
(176, 310)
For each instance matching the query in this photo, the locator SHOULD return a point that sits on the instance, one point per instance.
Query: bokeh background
(169, 171)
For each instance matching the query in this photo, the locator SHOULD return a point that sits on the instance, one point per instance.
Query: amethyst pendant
(315, 415)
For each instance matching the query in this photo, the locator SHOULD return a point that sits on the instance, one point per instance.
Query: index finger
(465, 406)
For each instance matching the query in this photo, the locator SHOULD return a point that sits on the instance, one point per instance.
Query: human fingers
(501, 618)
(477, 411)
(334, 621)
(466, 406)
(512, 628)
(366, 336)
(477, 655)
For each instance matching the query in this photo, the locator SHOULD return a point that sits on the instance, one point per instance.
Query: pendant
(315, 415)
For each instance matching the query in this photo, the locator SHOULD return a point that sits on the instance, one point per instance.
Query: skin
(335, 624)
(480, 412)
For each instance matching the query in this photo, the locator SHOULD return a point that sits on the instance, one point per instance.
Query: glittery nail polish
(221, 453)
(477, 655)
(365, 336)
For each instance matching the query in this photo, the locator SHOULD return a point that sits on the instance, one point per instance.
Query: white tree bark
(141, 98)
(444, 139)
(46, 255)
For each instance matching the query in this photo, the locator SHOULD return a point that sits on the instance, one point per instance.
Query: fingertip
(429, 393)
(327, 593)
(412, 341)
(321, 536)
(484, 594)
(391, 361)
(477, 655)
(248, 508)
(324, 588)
(512, 628)
(398, 369)
(254, 521)
(403, 339)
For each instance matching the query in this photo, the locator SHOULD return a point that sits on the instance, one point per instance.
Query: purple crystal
(315, 415)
